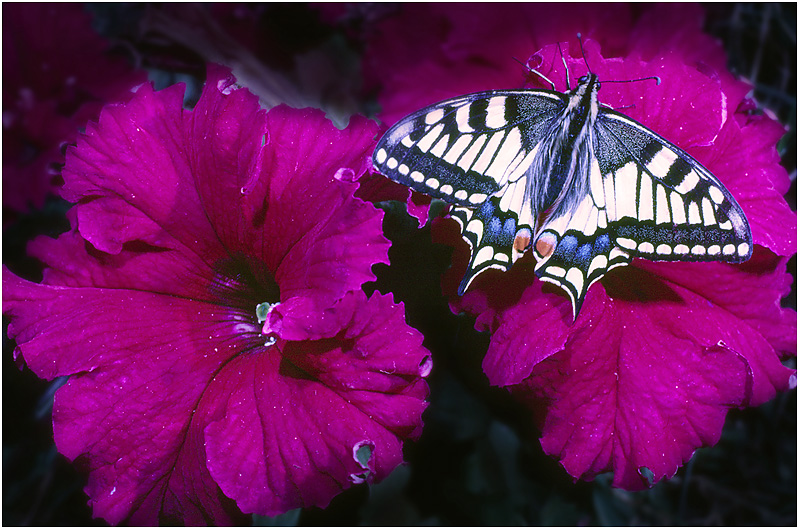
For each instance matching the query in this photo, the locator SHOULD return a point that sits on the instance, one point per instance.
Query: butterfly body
(582, 185)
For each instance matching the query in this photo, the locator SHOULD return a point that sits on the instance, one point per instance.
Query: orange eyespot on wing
(522, 240)
(546, 245)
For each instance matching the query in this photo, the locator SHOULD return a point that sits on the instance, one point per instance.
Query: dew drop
(225, 86)
(426, 366)
(345, 174)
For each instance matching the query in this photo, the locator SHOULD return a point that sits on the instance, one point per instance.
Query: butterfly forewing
(466, 149)
(664, 205)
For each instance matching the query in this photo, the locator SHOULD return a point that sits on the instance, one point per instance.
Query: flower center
(248, 289)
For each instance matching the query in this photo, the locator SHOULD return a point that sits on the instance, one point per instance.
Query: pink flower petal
(284, 426)
(752, 292)
(336, 252)
(139, 265)
(139, 363)
(128, 420)
(129, 412)
(679, 31)
(514, 351)
(644, 385)
(129, 174)
(136, 152)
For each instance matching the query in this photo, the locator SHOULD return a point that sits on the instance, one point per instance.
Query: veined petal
(186, 223)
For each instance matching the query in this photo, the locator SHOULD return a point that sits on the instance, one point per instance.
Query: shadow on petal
(632, 284)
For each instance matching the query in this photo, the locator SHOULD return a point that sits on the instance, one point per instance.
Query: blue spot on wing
(602, 245)
(510, 228)
(584, 255)
(500, 227)
(566, 247)
(486, 211)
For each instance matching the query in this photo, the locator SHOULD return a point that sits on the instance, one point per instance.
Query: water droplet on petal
(345, 174)
(225, 86)
(426, 366)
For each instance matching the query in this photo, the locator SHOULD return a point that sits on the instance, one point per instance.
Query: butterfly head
(590, 81)
(583, 100)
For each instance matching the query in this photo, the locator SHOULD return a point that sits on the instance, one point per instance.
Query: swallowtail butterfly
(583, 185)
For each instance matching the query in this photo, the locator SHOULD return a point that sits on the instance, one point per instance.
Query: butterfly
(582, 185)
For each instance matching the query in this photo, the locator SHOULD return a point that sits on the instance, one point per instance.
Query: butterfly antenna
(566, 68)
(653, 77)
(534, 71)
(583, 52)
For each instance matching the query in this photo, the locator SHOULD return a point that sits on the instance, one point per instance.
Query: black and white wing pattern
(669, 206)
(645, 198)
(474, 152)
(586, 187)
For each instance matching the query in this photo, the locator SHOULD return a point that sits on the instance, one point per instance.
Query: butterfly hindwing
(662, 203)
(577, 248)
(578, 261)
(490, 231)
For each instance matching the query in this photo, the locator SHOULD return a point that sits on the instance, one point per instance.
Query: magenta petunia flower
(661, 351)
(192, 230)
(57, 74)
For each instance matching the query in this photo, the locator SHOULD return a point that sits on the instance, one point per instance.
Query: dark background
(479, 461)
